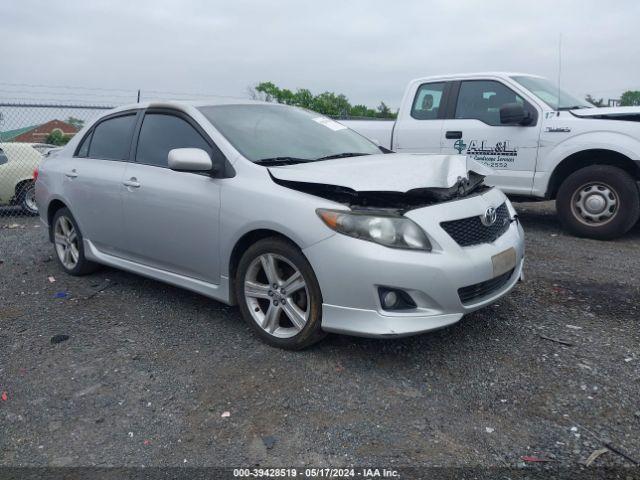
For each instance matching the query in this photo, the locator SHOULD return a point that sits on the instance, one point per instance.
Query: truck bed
(378, 131)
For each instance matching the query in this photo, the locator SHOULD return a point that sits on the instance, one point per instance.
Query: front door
(510, 150)
(171, 218)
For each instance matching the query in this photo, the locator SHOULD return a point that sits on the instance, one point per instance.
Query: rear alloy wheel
(68, 244)
(599, 201)
(27, 198)
(279, 294)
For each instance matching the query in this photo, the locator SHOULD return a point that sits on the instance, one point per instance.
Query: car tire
(26, 196)
(599, 201)
(74, 262)
(290, 315)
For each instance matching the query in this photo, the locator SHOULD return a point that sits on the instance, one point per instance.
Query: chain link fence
(29, 132)
(31, 128)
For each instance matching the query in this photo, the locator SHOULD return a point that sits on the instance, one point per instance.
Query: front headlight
(387, 230)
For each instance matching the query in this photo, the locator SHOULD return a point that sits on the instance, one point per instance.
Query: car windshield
(549, 93)
(279, 133)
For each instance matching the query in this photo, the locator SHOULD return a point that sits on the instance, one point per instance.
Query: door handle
(71, 174)
(132, 182)
(453, 134)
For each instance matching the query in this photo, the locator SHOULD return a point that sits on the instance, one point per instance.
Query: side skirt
(217, 292)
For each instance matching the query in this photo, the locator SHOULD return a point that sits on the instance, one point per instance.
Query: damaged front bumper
(445, 284)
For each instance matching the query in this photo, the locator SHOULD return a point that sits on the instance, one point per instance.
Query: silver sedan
(306, 225)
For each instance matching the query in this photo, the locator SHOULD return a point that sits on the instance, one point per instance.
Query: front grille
(482, 289)
(471, 231)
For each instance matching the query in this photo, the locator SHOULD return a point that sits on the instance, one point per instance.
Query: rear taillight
(35, 174)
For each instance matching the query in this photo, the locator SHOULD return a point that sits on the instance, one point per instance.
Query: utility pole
(138, 95)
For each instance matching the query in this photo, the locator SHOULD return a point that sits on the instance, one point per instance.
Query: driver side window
(160, 133)
(482, 99)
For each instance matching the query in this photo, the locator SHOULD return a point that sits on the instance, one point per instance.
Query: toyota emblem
(489, 217)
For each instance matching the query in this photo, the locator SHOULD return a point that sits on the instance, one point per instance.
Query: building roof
(11, 134)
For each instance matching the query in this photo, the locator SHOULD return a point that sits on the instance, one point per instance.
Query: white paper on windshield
(327, 122)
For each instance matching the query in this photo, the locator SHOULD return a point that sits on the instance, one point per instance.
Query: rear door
(418, 130)
(474, 129)
(93, 180)
(172, 218)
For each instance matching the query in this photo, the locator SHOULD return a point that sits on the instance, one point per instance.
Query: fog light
(389, 299)
(395, 299)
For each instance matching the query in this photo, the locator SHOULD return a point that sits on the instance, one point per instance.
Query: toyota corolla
(306, 225)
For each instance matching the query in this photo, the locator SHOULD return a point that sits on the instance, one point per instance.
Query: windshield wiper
(343, 155)
(280, 161)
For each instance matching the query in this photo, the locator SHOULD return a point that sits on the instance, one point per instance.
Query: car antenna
(559, 67)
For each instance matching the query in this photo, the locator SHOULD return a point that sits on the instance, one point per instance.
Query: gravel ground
(149, 372)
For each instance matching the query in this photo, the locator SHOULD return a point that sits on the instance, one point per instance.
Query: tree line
(327, 103)
(629, 98)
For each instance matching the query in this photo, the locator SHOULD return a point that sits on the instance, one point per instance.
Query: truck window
(427, 101)
(3, 157)
(482, 99)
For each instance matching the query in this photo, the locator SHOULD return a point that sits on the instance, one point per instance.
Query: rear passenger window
(428, 101)
(161, 133)
(3, 158)
(111, 139)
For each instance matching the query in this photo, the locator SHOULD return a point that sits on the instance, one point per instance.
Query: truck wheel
(599, 201)
(27, 198)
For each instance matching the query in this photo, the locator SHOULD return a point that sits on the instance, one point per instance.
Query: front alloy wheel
(276, 295)
(279, 295)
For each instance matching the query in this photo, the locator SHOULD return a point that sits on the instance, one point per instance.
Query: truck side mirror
(513, 114)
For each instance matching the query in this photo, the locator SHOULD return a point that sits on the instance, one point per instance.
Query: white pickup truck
(541, 143)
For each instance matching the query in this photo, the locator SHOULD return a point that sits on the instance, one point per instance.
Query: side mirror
(189, 160)
(513, 114)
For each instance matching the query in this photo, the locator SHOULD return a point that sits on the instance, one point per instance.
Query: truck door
(419, 130)
(475, 130)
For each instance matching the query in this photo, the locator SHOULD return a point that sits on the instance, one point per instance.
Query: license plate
(504, 262)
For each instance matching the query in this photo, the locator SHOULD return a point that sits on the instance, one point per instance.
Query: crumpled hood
(394, 172)
(610, 112)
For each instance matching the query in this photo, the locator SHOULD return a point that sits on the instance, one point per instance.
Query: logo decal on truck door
(500, 155)
(460, 145)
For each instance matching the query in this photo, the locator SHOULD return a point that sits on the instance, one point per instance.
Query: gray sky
(367, 50)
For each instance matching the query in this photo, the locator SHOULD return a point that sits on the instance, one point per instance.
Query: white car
(541, 143)
(18, 161)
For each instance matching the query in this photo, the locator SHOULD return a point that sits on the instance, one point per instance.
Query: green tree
(78, 123)
(303, 98)
(384, 111)
(327, 103)
(56, 137)
(269, 90)
(630, 98)
(593, 101)
(362, 111)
